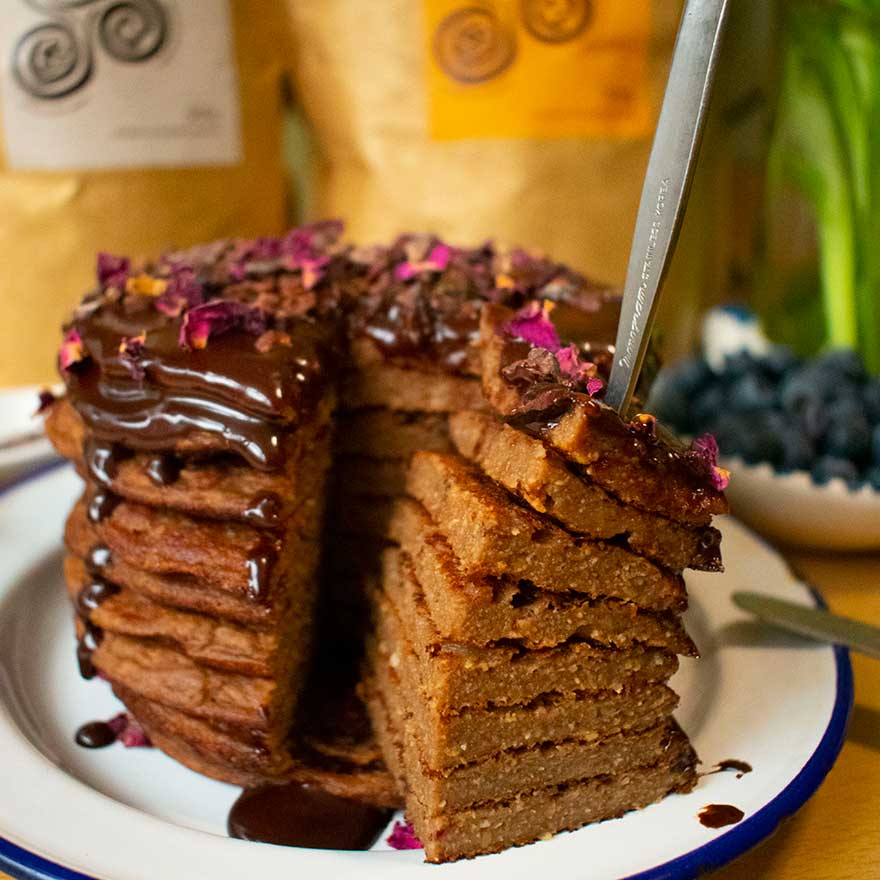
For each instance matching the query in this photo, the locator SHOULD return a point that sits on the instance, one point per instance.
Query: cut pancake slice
(459, 676)
(535, 473)
(490, 534)
(471, 734)
(484, 610)
(506, 774)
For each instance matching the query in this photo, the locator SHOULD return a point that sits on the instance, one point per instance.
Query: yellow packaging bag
(529, 121)
(128, 127)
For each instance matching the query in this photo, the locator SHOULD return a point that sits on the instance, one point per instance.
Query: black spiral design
(473, 45)
(556, 21)
(133, 30)
(50, 62)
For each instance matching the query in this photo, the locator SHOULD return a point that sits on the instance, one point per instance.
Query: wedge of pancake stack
(529, 621)
(199, 405)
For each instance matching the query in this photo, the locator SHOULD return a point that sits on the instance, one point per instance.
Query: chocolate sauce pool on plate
(95, 735)
(719, 815)
(299, 814)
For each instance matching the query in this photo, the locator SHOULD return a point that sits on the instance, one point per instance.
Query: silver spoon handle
(666, 188)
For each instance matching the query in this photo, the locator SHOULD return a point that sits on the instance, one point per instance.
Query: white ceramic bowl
(792, 509)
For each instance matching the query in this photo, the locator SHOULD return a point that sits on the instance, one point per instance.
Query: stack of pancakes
(279, 436)
(529, 621)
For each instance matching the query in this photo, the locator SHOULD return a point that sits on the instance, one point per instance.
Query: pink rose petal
(403, 837)
(217, 317)
(72, 351)
(533, 325)
(112, 271)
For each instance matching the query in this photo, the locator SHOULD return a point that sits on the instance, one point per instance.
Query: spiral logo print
(57, 58)
(472, 45)
(50, 62)
(556, 21)
(133, 30)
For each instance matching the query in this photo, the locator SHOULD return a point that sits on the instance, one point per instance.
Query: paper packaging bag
(527, 121)
(165, 129)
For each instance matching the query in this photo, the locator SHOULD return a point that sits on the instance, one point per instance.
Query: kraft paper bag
(526, 121)
(128, 134)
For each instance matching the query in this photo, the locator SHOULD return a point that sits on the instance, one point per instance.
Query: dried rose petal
(131, 349)
(145, 285)
(184, 291)
(72, 351)
(45, 400)
(571, 365)
(128, 731)
(705, 449)
(313, 271)
(112, 271)
(533, 325)
(217, 317)
(436, 261)
(403, 837)
(594, 386)
(134, 736)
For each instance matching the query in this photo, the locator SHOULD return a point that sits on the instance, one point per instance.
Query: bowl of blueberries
(801, 437)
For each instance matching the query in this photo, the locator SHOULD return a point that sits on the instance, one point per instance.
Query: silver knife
(814, 623)
(666, 188)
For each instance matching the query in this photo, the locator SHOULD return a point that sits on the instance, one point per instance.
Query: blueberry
(873, 477)
(828, 467)
(848, 434)
(798, 451)
(737, 365)
(755, 437)
(752, 392)
(843, 363)
(707, 407)
(670, 403)
(779, 361)
(802, 386)
(871, 396)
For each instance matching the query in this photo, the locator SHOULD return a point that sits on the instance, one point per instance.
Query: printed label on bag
(538, 68)
(99, 84)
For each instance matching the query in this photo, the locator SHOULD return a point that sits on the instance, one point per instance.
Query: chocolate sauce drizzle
(265, 511)
(730, 764)
(101, 505)
(243, 399)
(260, 565)
(92, 594)
(164, 469)
(300, 814)
(720, 815)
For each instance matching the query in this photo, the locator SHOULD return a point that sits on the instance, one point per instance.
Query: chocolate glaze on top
(299, 814)
(243, 397)
(432, 317)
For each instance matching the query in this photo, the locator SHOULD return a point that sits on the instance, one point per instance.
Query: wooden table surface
(836, 836)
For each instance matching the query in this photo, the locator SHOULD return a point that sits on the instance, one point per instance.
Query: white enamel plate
(778, 703)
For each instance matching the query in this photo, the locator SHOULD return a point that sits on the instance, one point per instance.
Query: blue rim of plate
(25, 865)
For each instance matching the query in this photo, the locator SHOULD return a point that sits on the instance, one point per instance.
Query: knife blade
(814, 623)
(666, 188)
